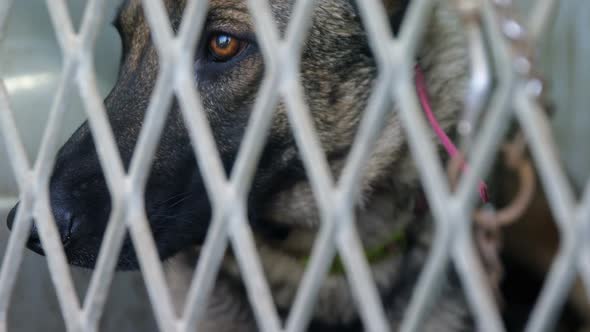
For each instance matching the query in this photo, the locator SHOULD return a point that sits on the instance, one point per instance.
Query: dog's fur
(337, 74)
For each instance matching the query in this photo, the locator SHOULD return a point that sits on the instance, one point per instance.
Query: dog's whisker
(180, 201)
(182, 195)
(173, 216)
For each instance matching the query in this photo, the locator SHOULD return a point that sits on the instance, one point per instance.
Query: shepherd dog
(337, 71)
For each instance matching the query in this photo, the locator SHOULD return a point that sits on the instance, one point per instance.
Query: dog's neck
(387, 219)
(335, 309)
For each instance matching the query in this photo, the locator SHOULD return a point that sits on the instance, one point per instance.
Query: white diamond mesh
(453, 240)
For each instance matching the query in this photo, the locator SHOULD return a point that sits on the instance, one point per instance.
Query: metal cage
(514, 97)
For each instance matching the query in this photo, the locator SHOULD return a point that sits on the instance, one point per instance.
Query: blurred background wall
(564, 58)
(30, 62)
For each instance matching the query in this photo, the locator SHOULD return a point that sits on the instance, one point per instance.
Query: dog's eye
(223, 47)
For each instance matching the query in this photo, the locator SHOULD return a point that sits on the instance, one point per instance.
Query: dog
(338, 71)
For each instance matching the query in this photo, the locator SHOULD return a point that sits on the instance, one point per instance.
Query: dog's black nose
(33, 243)
(11, 216)
(64, 226)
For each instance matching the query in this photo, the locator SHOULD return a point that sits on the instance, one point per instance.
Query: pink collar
(442, 136)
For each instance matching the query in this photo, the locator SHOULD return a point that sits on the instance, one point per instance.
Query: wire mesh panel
(504, 49)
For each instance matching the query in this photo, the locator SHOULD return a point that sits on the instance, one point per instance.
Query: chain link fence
(510, 44)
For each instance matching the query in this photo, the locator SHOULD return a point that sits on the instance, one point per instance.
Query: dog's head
(337, 74)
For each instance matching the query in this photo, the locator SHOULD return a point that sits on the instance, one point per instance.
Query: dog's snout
(33, 242)
(11, 217)
(65, 222)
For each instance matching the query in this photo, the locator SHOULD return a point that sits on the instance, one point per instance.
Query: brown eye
(224, 47)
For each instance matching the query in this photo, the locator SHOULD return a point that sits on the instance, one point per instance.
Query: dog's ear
(396, 10)
(116, 10)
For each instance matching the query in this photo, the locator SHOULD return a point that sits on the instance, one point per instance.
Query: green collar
(394, 243)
